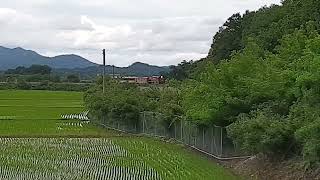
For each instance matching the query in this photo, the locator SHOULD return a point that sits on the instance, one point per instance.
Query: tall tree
(227, 40)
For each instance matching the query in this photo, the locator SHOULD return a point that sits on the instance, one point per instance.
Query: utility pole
(113, 71)
(104, 70)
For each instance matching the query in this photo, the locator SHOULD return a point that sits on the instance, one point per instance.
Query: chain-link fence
(212, 140)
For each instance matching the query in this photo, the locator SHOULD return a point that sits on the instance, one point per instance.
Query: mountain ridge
(11, 58)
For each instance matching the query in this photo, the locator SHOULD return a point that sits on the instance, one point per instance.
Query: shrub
(23, 85)
(261, 132)
(309, 136)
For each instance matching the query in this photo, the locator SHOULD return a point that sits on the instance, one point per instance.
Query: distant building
(142, 80)
(128, 79)
(156, 80)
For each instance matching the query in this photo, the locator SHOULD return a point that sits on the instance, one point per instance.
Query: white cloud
(10, 18)
(160, 32)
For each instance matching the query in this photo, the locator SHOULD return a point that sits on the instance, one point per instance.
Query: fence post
(221, 139)
(215, 143)
(212, 139)
(203, 139)
(175, 130)
(195, 137)
(144, 118)
(136, 127)
(181, 131)
(189, 135)
(155, 126)
(165, 129)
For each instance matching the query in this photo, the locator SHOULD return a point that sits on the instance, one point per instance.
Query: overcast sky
(159, 32)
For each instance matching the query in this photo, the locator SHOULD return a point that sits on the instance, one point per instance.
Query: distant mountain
(136, 69)
(12, 58)
(71, 64)
(142, 69)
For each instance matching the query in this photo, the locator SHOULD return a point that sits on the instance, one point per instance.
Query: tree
(38, 69)
(182, 71)
(227, 40)
(121, 102)
(32, 70)
(21, 84)
(73, 78)
(267, 26)
(55, 78)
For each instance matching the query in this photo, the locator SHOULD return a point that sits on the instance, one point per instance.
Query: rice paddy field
(37, 144)
(38, 114)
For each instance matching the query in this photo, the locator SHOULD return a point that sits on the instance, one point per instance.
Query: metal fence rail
(212, 140)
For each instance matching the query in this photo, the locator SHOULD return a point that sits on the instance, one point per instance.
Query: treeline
(40, 77)
(124, 101)
(45, 85)
(34, 69)
(270, 101)
(261, 79)
(266, 26)
(37, 73)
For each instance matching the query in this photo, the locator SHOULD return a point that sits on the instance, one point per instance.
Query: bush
(122, 102)
(23, 85)
(73, 78)
(309, 136)
(262, 131)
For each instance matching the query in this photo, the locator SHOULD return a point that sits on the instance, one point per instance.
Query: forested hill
(266, 27)
(70, 64)
(136, 69)
(261, 79)
(12, 58)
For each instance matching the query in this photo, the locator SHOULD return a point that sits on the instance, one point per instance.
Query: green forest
(261, 79)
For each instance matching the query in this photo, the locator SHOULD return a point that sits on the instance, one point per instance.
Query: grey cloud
(159, 32)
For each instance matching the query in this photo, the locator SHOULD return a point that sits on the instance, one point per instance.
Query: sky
(158, 32)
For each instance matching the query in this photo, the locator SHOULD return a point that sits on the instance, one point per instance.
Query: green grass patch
(103, 158)
(37, 114)
(171, 161)
(37, 144)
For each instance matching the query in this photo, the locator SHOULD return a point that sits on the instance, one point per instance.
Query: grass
(102, 158)
(36, 144)
(172, 161)
(37, 114)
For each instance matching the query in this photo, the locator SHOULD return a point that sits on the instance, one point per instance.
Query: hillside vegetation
(12, 58)
(261, 79)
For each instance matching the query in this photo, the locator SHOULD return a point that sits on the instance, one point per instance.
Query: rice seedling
(101, 158)
(38, 114)
(37, 144)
